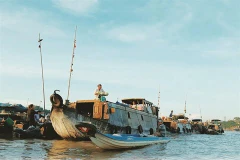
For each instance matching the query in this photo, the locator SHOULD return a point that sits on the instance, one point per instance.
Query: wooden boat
(44, 131)
(108, 117)
(9, 116)
(120, 141)
(177, 124)
(237, 128)
(198, 126)
(215, 127)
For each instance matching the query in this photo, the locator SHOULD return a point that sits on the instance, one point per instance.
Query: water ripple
(195, 146)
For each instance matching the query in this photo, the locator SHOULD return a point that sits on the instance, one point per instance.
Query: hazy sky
(191, 49)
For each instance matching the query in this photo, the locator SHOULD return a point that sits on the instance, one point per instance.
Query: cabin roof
(5, 104)
(180, 116)
(130, 100)
(86, 101)
(197, 119)
(7, 107)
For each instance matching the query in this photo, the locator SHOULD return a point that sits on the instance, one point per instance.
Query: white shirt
(98, 92)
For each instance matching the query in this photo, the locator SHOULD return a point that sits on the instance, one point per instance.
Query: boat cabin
(196, 120)
(179, 117)
(98, 110)
(141, 104)
(215, 121)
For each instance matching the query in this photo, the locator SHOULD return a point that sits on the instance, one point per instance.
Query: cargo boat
(131, 116)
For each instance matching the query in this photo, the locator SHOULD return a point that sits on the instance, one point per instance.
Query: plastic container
(9, 122)
(102, 99)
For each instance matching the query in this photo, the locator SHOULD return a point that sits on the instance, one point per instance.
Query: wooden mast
(40, 47)
(185, 107)
(71, 67)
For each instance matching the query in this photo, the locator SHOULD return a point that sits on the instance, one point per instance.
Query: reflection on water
(62, 149)
(193, 146)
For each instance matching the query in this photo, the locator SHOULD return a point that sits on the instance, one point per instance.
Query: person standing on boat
(30, 115)
(100, 93)
(171, 113)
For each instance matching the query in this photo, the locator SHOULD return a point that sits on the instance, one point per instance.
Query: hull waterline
(118, 142)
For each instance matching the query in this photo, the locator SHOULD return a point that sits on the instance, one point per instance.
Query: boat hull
(214, 132)
(116, 141)
(64, 124)
(236, 129)
(199, 129)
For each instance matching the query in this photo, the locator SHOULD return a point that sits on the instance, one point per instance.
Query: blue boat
(120, 141)
(125, 141)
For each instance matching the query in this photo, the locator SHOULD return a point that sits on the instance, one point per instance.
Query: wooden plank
(86, 101)
(106, 112)
(97, 110)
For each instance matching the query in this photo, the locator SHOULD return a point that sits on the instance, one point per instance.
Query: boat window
(85, 109)
(151, 131)
(142, 117)
(129, 115)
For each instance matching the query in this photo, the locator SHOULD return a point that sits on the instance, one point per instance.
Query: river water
(194, 146)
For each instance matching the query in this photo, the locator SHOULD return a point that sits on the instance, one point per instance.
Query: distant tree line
(231, 123)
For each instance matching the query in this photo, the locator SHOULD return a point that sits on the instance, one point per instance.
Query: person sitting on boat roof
(100, 93)
(171, 113)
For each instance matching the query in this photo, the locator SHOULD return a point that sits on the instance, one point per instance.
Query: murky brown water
(51, 149)
(193, 146)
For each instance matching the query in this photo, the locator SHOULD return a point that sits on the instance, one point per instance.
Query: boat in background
(237, 129)
(120, 141)
(14, 111)
(11, 115)
(215, 127)
(198, 126)
(177, 124)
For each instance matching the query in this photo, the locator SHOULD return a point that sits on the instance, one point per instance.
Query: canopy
(5, 104)
(13, 107)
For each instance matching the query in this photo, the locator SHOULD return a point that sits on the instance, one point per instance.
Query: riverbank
(230, 128)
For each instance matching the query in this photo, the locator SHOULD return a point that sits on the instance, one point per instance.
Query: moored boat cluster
(134, 122)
